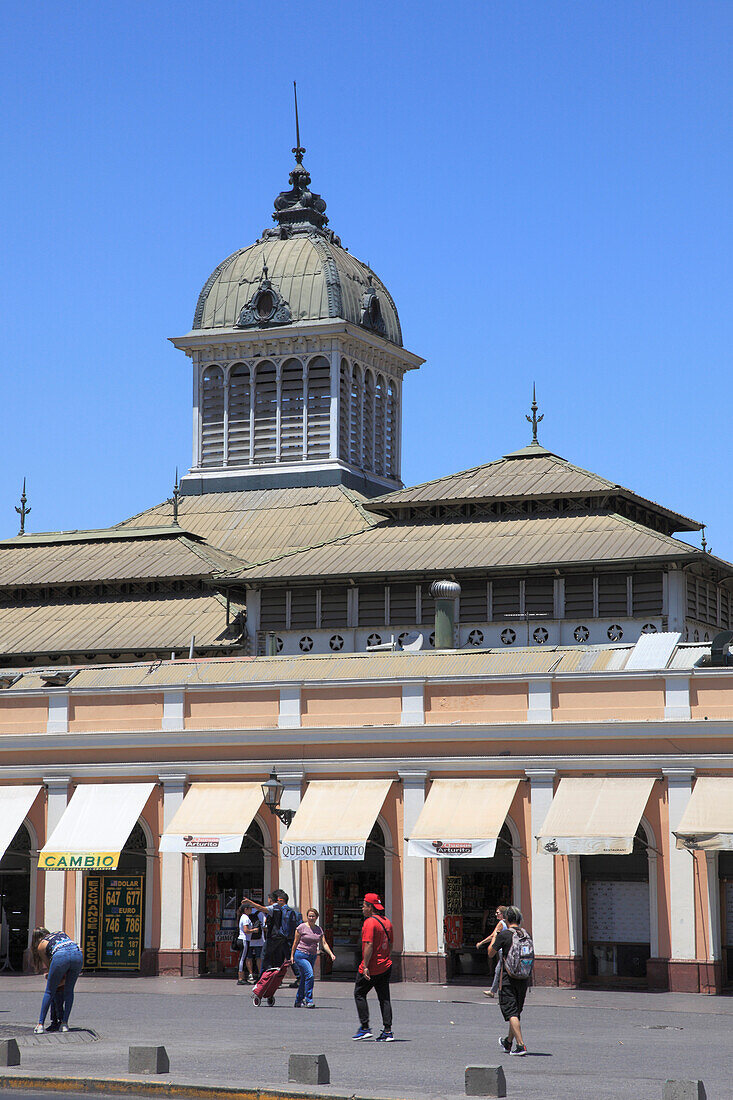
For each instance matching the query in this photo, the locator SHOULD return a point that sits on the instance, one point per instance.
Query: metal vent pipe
(445, 594)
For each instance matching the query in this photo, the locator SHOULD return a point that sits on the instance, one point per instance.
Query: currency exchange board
(113, 921)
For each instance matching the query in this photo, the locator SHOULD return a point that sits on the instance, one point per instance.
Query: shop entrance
(229, 877)
(345, 883)
(473, 889)
(725, 875)
(113, 909)
(616, 925)
(15, 892)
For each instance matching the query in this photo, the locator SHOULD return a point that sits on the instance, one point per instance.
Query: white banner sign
(322, 849)
(452, 849)
(706, 842)
(586, 845)
(200, 843)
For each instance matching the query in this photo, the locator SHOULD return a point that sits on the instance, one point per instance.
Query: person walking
(308, 939)
(377, 937)
(246, 926)
(516, 968)
(256, 944)
(501, 925)
(289, 921)
(277, 948)
(56, 953)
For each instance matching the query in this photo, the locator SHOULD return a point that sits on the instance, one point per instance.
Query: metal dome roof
(296, 272)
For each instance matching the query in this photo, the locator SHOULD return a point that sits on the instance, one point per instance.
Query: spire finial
(703, 540)
(176, 497)
(534, 419)
(22, 511)
(298, 150)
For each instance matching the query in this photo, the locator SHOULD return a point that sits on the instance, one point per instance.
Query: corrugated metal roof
(539, 474)
(440, 546)
(688, 656)
(259, 524)
(110, 625)
(78, 562)
(652, 651)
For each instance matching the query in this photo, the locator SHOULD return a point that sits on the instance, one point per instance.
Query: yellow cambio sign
(78, 861)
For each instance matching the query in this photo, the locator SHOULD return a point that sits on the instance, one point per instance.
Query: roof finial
(703, 541)
(298, 150)
(22, 511)
(176, 497)
(534, 419)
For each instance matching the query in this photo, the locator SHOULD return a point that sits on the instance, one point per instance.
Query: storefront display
(616, 914)
(15, 882)
(345, 885)
(229, 878)
(473, 889)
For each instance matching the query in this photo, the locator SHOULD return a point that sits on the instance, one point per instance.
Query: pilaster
(542, 864)
(289, 713)
(54, 891)
(413, 867)
(171, 869)
(539, 702)
(289, 869)
(173, 710)
(413, 704)
(58, 712)
(681, 871)
(677, 698)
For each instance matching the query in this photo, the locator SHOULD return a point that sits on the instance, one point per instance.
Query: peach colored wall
(351, 706)
(393, 814)
(231, 709)
(186, 941)
(593, 701)
(702, 909)
(475, 703)
(153, 815)
(711, 699)
(115, 712)
(23, 715)
(433, 942)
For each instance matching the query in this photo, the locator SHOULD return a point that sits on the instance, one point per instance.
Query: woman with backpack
(516, 970)
(308, 939)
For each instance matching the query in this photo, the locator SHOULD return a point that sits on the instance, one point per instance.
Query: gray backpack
(519, 959)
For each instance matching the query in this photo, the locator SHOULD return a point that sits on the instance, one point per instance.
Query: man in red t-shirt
(377, 936)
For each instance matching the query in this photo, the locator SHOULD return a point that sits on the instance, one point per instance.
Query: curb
(144, 1086)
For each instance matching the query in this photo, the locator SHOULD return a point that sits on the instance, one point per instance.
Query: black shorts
(511, 996)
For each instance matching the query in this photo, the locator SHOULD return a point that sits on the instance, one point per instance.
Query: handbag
(236, 941)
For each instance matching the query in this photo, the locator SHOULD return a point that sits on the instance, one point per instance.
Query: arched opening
(15, 892)
(212, 417)
(616, 918)
(391, 431)
(368, 420)
(725, 878)
(344, 411)
(345, 882)
(473, 889)
(379, 424)
(291, 411)
(319, 407)
(229, 877)
(113, 915)
(357, 402)
(240, 407)
(265, 402)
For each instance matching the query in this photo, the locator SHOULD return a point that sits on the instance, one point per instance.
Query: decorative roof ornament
(22, 511)
(266, 306)
(371, 309)
(703, 541)
(534, 419)
(176, 498)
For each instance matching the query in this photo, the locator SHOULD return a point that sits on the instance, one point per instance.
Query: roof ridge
(305, 549)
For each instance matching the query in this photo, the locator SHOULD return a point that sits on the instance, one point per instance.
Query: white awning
(335, 818)
(707, 822)
(15, 802)
(462, 818)
(94, 827)
(595, 816)
(213, 817)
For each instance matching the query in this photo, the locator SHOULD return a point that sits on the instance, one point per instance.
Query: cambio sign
(322, 850)
(77, 861)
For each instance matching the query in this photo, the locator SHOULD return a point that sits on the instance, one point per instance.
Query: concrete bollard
(148, 1060)
(309, 1069)
(485, 1081)
(9, 1053)
(684, 1090)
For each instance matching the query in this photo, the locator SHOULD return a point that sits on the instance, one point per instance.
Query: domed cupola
(298, 361)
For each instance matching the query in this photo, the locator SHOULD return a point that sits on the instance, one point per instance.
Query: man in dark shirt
(512, 991)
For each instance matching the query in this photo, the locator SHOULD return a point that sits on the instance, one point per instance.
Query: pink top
(309, 938)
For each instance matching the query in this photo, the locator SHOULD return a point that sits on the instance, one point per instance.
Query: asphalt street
(608, 1045)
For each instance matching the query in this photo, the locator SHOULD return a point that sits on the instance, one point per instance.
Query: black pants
(380, 982)
(277, 950)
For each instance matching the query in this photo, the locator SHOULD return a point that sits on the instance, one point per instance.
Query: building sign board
(78, 861)
(452, 849)
(112, 921)
(320, 849)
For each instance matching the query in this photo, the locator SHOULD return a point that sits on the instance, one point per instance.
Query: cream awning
(595, 816)
(213, 817)
(462, 818)
(94, 827)
(15, 802)
(335, 818)
(707, 822)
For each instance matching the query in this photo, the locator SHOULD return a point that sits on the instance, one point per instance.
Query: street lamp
(272, 792)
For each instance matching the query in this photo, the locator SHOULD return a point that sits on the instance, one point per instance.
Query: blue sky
(544, 186)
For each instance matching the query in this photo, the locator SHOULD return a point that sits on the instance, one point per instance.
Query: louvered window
(291, 411)
(427, 617)
(265, 413)
(368, 420)
(702, 600)
(612, 594)
(344, 411)
(303, 606)
(357, 402)
(578, 597)
(272, 609)
(212, 417)
(725, 606)
(473, 602)
(319, 407)
(239, 416)
(539, 596)
(505, 594)
(391, 431)
(379, 419)
(334, 607)
(371, 605)
(647, 593)
(402, 604)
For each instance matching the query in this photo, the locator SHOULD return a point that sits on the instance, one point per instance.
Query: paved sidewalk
(610, 1046)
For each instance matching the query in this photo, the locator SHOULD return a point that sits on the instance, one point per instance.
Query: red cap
(373, 900)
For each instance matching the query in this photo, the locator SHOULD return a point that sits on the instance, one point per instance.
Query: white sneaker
(64, 1027)
(38, 1029)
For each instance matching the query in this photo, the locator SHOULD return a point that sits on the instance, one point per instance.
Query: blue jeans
(305, 972)
(67, 962)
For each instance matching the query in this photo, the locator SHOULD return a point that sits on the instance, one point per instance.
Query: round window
(265, 305)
